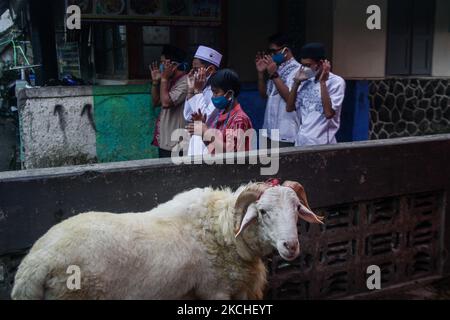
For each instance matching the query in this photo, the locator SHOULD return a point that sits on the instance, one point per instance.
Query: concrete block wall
(61, 126)
(55, 127)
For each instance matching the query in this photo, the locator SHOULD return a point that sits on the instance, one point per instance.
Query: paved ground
(439, 290)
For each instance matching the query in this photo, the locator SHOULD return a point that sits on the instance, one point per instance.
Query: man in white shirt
(317, 96)
(205, 64)
(280, 68)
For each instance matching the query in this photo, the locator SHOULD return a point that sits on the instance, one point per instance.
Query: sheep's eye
(263, 212)
(299, 208)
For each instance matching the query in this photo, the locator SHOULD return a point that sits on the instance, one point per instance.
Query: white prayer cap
(209, 55)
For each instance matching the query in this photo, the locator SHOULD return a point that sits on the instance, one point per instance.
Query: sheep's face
(277, 211)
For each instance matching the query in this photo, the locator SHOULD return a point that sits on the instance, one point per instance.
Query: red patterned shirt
(233, 125)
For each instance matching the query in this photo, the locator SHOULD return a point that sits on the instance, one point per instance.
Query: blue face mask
(278, 58)
(221, 102)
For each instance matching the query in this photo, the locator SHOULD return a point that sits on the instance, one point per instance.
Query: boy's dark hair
(226, 80)
(314, 51)
(280, 39)
(173, 53)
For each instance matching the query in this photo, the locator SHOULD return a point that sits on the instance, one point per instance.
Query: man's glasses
(273, 51)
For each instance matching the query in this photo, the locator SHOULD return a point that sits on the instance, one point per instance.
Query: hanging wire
(15, 52)
(17, 48)
(25, 57)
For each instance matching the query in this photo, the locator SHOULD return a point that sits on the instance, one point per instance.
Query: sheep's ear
(250, 216)
(306, 214)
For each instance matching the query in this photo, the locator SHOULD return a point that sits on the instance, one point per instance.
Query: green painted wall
(125, 121)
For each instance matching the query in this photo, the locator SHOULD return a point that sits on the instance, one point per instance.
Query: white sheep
(204, 244)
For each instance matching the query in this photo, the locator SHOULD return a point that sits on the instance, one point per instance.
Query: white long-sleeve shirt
(203, 103)
(315, 128)
(276, 117)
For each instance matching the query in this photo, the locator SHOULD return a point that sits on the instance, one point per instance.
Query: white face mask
(309, 73)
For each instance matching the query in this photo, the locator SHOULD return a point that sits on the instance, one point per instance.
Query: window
(188, 38)
(203, 36)
(110, 51)
(128, 35)
(410, 37)
(153, 40)
(145, 44)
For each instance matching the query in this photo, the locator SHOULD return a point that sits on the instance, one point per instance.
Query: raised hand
(326, 68)
(198, 116)
(197, 128)
(191, 80)
(155, 72)
(169, 70)
(271, 65)
(261, 65)
(200, 80)
(301, 75)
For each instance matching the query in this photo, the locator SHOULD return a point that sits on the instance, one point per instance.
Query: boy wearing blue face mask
(232, 121)
(278, 69)
(317, 96)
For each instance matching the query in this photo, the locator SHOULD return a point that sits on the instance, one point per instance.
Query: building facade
(397, 76)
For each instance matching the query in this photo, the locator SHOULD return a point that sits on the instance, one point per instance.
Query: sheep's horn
(299, 190)
(249, 217)
(246, 198)
(309, 216)
(305, 212)
(250, 195)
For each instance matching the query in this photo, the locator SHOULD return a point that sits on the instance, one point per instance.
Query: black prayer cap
(315, 51)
